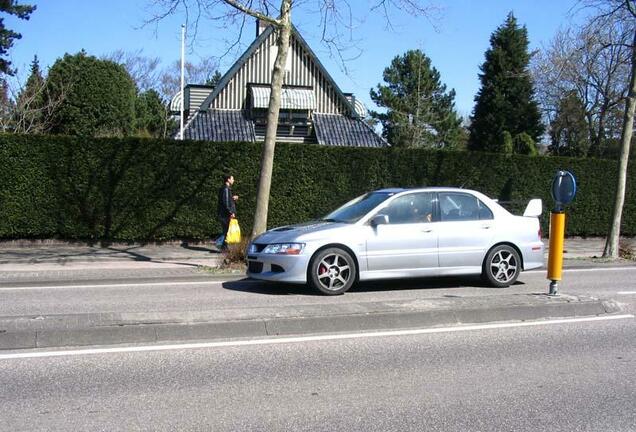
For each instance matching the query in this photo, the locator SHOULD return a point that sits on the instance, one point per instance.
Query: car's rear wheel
(502, 266)
(332, 271)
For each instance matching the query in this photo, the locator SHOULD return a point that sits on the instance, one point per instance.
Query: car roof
(423, 188)
(391, 190)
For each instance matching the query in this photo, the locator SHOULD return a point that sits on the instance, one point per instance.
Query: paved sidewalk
(29, 255)
(52, 255)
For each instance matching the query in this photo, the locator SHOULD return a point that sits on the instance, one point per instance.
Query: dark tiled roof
(330, 129)
(220, 125)
(338, 130)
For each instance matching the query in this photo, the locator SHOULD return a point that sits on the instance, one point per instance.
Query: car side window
(484, 212)
(462, 207)
(411, 208)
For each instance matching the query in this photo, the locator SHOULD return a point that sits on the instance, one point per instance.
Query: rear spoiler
(534, 208)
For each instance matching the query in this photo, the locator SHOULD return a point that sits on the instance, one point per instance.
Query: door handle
(427, 230)
(486, 226)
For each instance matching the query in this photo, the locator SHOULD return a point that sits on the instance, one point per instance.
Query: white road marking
(626, 292)
(151, 284)
(300, 339)
(584, 270)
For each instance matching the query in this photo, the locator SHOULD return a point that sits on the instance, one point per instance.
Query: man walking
(227, 207)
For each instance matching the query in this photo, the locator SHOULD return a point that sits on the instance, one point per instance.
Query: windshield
(355, 209)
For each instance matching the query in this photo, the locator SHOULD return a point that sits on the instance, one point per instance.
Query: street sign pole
(563, 191)
(555, 256)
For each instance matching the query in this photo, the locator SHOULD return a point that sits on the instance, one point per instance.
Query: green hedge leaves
(137, 189)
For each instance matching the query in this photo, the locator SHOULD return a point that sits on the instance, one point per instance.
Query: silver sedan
(402, 233)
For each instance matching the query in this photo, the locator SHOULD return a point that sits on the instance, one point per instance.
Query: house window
(294, 118)
(291, 123)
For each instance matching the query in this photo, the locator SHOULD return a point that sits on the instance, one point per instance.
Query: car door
(465, 230)
(409, 239)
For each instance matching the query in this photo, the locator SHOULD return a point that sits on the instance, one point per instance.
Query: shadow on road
(187, 246)
(273, 288)
(268, 288)
(422, 283)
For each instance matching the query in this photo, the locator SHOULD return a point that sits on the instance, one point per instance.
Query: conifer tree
(524, 144)
(505, 101)
(420, 112)
(151, 116)
(28, 115)
(7, 36)
(569, 130)
(98, 97)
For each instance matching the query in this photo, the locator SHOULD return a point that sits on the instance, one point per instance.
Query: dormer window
(296, 107)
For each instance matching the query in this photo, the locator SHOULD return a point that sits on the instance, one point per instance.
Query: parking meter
(563, 192)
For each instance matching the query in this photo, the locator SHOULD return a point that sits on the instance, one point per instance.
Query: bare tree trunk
(267, 158)
(611, 244)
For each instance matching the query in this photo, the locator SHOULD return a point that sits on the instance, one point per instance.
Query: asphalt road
(551, 377)
(197, 294)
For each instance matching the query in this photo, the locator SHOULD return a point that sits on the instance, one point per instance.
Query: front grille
(255, 267)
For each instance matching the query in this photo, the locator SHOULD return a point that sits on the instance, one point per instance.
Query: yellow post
(555, 256)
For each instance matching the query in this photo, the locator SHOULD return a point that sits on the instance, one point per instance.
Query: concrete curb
(107, 329)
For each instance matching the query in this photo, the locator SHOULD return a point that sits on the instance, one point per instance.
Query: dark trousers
(225, 225)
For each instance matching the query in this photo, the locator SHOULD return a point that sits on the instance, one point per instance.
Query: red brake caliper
(322, 270)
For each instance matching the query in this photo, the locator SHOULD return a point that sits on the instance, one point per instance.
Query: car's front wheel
(332, 271)
(502, 266)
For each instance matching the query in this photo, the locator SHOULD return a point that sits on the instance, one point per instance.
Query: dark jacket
(226, 203)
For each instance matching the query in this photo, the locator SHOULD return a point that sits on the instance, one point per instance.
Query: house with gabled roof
(313, 108)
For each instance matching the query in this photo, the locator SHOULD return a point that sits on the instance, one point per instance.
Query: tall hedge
(143, 189)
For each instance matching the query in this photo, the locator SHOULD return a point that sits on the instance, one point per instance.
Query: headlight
(284, 248)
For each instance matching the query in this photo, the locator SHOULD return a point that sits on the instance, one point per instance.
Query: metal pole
(555, 256)
(182, 80)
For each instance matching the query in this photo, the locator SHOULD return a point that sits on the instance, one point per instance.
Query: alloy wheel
(503, 266)
(333, 272)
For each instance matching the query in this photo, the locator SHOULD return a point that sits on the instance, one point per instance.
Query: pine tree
(505, 101)
(7, 36)
(214, 79)
(524, 144)
(420, 112)
(6, 107)
(151, 114)
(29, 115)
(505, 143)
(35, 79)
(569, 130)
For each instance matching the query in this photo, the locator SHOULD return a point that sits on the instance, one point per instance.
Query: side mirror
(534, 208)
(379, 219)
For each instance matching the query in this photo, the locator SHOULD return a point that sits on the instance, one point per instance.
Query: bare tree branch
(30, 110)
(143, 70)
(237, 5)
(593, 61)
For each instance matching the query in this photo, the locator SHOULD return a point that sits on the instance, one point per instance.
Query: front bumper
(278, 268)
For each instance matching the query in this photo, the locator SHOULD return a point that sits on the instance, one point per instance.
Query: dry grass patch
(626, 250)
(236, 253)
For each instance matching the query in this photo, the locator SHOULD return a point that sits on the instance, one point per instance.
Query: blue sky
(456, 47)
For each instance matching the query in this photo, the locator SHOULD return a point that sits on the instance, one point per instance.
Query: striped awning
(291, 98)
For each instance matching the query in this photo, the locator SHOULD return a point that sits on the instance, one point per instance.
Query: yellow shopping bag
(233, 232)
